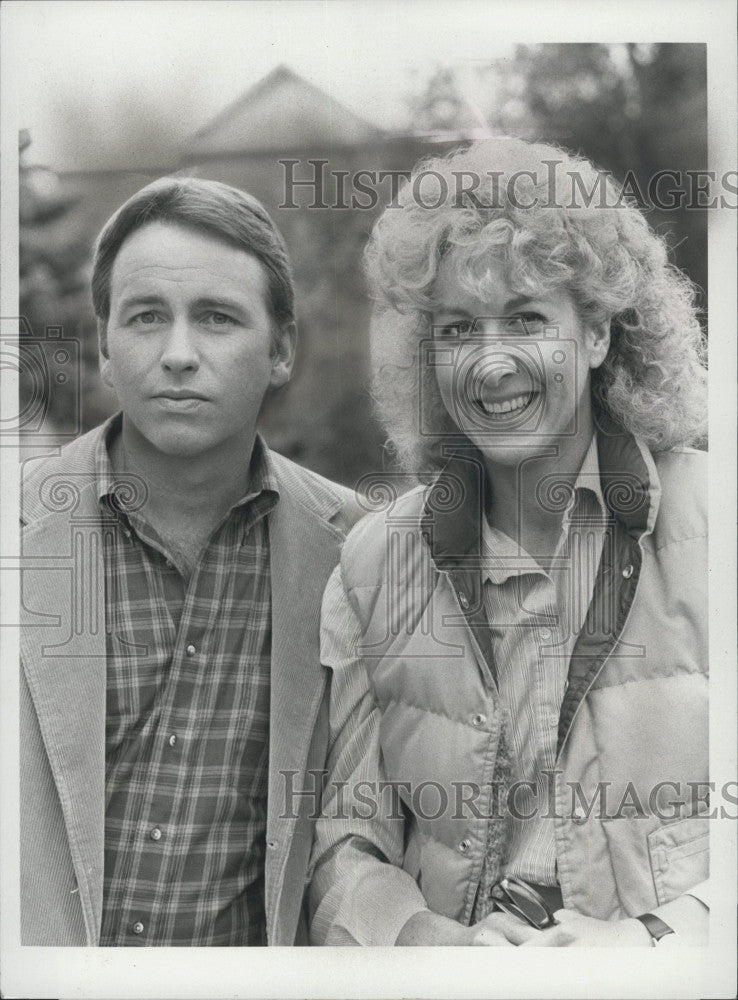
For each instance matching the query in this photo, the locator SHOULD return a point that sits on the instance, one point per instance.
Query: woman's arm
(359, 893)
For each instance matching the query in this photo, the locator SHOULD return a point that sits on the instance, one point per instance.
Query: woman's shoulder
(368, 544)
(683, 503)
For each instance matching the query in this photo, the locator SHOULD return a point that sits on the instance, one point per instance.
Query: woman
(518, 646)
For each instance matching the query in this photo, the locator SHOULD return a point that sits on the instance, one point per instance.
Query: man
(519, 649)
(171, 689)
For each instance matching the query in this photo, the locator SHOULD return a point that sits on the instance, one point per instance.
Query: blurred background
(84, 149)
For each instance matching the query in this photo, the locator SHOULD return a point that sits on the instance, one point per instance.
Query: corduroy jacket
(62, 693)
(414, 702)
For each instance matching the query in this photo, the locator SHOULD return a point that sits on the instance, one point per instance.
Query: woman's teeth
(508, 406)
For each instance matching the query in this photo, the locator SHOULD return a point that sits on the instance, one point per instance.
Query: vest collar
(452, 516)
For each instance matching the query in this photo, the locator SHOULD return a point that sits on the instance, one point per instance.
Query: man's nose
(180, 353)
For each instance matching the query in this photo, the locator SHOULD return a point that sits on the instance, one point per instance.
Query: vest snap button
(464, 846)
(479, 720)
(628, 571)
(463, 600)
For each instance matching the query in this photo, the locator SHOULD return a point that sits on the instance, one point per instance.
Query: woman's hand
(426, 928)
(572, 930)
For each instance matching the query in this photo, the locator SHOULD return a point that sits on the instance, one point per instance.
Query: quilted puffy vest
(628, 792)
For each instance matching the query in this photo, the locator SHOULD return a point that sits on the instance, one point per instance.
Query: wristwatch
(655, 926)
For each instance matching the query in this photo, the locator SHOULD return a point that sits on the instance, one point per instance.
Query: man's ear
(104, 360)
(284, 344)
(600, 343)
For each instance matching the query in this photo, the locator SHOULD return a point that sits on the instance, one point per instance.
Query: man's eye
(147, 318)
(219, 319)
(459, 328)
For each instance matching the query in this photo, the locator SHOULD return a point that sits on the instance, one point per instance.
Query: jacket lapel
(304, 550)
(62, 645)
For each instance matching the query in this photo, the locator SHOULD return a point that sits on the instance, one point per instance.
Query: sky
(77, 73)
(183, 62)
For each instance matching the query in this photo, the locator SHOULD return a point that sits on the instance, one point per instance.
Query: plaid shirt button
(155, 833)
(138, 927)
(190, 650)
(173, 740)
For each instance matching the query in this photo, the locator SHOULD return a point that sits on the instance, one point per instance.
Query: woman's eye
(459, 328)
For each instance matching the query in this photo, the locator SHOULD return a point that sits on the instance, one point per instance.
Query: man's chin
(184, 443)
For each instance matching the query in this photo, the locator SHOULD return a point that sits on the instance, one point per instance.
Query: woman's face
(514, 371)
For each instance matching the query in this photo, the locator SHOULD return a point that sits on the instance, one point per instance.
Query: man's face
(514, 371)
(191, 347)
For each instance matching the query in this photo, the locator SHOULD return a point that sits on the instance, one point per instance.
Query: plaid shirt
(187, 734)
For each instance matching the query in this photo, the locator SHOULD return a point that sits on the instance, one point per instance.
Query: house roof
(283, 112)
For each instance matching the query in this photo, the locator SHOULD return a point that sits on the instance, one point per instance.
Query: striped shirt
(535, 617)
(187, 732)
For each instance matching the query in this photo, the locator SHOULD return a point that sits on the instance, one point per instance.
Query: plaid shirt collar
(122, 493)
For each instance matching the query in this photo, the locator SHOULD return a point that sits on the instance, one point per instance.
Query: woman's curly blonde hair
(555, 222)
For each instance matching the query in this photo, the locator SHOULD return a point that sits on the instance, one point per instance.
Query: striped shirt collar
(502, 557)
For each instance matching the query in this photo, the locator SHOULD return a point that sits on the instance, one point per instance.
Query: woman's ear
(599, 343)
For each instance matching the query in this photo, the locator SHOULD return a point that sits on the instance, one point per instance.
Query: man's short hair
(207, 206)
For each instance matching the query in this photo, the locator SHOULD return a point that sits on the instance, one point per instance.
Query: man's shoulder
(337, 504)
(61, 474)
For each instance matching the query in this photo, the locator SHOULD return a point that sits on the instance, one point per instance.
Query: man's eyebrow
(140, 300)
(223, 303)
(216, 303)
